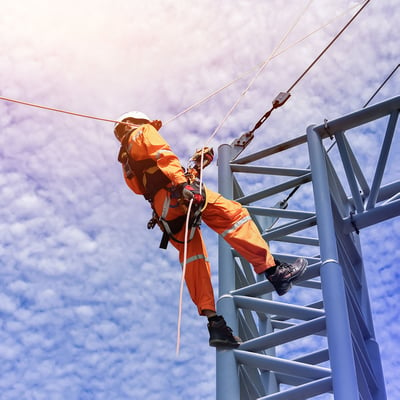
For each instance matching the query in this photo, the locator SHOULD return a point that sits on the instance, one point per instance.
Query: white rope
(263, 66)
(178, 336)
(276, 54)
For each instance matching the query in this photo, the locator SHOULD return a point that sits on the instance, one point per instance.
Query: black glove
(189, 193)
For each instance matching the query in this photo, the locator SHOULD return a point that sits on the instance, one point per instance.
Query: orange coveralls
(226, 217)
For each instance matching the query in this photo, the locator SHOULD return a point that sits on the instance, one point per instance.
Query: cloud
(88, 301)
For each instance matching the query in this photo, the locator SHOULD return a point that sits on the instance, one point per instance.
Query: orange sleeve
(145, 142)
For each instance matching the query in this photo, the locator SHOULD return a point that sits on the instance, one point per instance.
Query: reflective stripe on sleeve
(163, 152)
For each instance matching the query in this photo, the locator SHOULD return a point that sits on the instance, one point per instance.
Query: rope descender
(243, 141)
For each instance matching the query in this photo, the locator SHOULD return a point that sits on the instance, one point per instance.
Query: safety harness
(151, 179)
(172, 227)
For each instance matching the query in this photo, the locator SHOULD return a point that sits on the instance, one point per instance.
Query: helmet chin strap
(157, 124)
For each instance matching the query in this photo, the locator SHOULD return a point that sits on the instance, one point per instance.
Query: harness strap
(172, 227)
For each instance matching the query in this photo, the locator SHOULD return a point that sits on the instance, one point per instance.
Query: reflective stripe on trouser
(198, 274)
(234, 224)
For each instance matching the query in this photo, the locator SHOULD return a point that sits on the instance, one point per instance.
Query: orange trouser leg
(234, 224)
(198, 274)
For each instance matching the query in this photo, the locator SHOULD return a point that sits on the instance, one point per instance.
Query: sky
(88, 302)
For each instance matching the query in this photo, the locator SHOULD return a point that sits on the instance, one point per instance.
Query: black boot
(221, 334)
(284, 274)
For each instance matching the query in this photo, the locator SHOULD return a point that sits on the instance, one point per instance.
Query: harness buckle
(152, 222)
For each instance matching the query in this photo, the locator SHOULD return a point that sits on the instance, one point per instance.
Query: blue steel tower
(293, 348)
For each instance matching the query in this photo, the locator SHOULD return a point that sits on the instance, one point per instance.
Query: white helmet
(136, 116)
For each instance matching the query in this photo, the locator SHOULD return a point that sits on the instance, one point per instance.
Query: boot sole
(223, 344)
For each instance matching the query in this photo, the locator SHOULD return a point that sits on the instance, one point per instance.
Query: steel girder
(318, 339)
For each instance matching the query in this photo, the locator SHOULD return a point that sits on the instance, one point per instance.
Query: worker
(152, 169)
